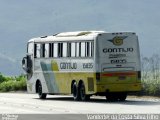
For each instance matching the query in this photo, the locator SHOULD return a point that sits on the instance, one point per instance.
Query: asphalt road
(23, 106)
(23, 103)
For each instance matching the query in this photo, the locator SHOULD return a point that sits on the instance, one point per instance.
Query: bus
(84, 63)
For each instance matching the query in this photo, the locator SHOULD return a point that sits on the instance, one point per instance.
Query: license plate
(122, 77)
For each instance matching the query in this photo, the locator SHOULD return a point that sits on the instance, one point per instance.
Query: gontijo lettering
(115, 50)
(66, 65)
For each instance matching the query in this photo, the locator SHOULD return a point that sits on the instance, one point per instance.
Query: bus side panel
(58, 74)
(84, 72)
(77, 70)
(49, 76)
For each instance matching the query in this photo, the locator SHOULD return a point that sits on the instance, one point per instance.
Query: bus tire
(82, 92)
(75, 92)
(122, 96)
(111, 97)
(41, 95)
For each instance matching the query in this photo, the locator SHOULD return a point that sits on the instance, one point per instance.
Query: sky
(23, 20)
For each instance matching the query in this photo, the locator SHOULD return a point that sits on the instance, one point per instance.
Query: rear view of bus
(118, 65)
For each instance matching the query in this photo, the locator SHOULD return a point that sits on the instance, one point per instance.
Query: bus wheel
(111, 97)
(122, 96)
(75, 92)
(83, 95)
(41, 95)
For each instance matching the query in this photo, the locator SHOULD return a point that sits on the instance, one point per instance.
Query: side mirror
(27, 64)
(24, 61)
(24, 64)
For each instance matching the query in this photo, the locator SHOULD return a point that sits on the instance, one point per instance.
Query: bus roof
(73, 36)
(66, 36)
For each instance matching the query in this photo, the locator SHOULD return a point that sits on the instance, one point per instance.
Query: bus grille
(90, 84)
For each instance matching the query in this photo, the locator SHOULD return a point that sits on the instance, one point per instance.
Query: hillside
(22, 20)
(9, 67)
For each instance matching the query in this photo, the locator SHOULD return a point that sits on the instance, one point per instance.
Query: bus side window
(60, 48)
(87, 49)
(37, 50)
(68, 49)
(83, 49)
(51, 49)
(73, 50)
(77, 49)
(80, 49)
(91, 49)
(55, 51)
(64, 52)
(30, 48)
(43, 50)
(46, 50)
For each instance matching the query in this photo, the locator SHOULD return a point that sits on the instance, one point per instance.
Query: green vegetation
(150, 67)
(150, 87)
(12, 83)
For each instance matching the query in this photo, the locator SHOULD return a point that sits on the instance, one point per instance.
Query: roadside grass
(150, 87)
(12, 83)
